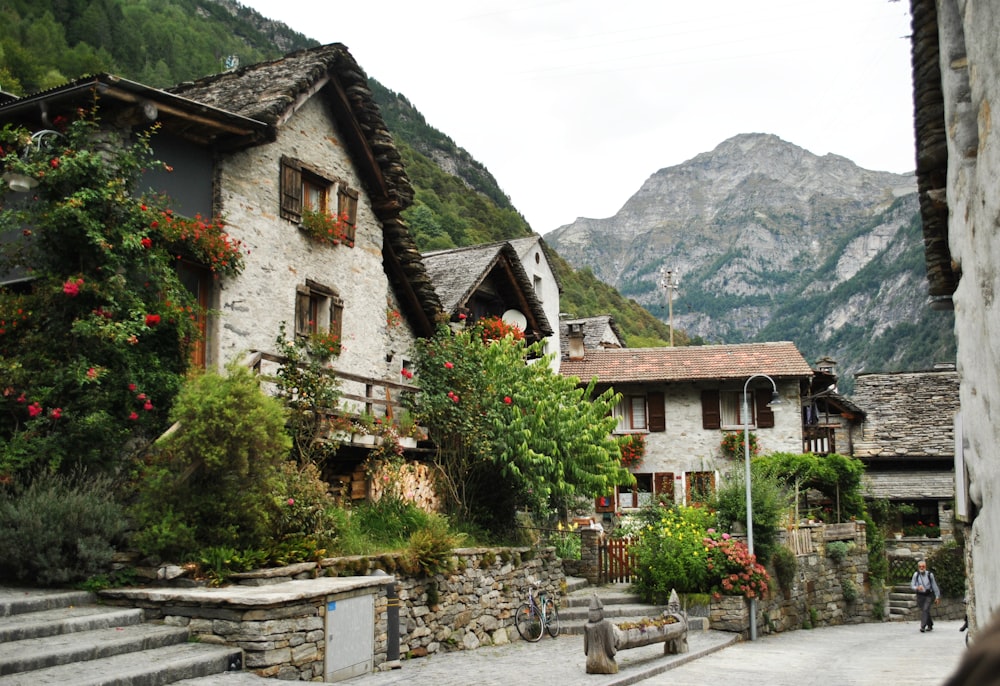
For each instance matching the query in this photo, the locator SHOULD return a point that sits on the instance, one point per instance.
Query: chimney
(576, 349)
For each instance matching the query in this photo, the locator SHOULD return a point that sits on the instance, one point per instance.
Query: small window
(631, 413)
(731, 408)
(306, 188)
(318, 309)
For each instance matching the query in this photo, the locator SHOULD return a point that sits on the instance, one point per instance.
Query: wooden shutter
(291, 189)
(303, 312)
(663, 485)
(765, 415)
(347, 208)
(657, 419)
(710, 415)
(337, 317)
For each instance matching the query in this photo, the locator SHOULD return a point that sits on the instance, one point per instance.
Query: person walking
(924, 583)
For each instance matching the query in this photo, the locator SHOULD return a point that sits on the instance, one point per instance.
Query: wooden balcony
(819, 440)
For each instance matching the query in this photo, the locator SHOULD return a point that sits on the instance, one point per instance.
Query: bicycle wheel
(551, 618)
(528, 622)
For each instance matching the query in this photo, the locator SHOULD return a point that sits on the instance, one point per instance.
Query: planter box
(647, 635)
(408, 441)
(362, 439)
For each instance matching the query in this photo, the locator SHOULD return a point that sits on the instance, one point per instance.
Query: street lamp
(775, 400)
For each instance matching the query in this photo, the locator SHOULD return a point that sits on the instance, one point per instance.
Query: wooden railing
(378, 397)
(819, 440)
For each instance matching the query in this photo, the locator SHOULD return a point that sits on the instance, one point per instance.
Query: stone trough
(602, 639)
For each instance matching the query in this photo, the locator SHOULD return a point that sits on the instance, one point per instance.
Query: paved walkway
(550, 662)
(876, 654)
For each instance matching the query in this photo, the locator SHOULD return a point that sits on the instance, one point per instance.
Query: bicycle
(536, 615)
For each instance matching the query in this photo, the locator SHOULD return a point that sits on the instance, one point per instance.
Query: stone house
(260, 147)
(683, 401)
(907, 442)
(956, 83)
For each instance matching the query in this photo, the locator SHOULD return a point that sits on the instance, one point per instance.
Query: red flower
(449, 365)
(56, 413)
(462, 317)
(34, 409)
(507, 399)
(147, 242)
(54, 162)
(131, 386)
(133, 416)
(91, 373)
(72, 288)
(291, 501)
(152, 320)
(148, 406)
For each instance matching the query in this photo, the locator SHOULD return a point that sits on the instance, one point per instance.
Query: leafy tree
(510, 432)
(94, 347)
(770, 498)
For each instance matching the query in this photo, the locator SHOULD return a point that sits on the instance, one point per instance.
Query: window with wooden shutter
(710, 416)
(318, 309)
(657, 412)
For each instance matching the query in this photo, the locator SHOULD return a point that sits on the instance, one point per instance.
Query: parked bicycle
(539, 614)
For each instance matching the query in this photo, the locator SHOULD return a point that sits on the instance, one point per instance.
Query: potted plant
(363, 428)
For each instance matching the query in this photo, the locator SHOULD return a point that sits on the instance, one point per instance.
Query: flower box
(408, 441)
(362, 439)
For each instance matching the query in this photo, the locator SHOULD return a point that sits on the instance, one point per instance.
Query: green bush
(671, 553)
(431, 546)
(211, 482)
(59, 529)
(948, 565)
(770, 500)
(785, 565)
(849, 589)
(836, 551)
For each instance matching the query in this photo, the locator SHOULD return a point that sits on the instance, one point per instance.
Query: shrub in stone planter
(785, 565)
(836, 551)
(849, 589)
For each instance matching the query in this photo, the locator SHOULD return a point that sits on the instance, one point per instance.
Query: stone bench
(602, 639)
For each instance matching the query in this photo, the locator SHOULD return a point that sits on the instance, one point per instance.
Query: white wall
(254, 304)
(537, 266)
(685, 446)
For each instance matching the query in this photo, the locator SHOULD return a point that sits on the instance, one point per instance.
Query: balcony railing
(819, 440)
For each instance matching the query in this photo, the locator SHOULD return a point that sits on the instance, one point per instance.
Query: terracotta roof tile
(689, 363)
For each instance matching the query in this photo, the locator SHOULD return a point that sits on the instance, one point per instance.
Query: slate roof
(932, 150)
(689, 363)
(459, 272)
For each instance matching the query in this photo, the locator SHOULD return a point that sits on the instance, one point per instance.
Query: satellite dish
(516, 318)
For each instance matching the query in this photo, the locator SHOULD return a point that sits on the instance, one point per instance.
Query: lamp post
(775, 400)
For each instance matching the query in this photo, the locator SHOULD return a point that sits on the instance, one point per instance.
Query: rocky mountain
(771, 242)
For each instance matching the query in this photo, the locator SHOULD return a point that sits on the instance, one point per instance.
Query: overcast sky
(573, 104)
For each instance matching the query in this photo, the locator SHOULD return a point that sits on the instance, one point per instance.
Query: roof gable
(459, 273)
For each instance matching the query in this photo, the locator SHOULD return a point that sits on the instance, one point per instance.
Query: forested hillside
(44, 43)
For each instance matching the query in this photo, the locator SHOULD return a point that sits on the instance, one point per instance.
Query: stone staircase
(902, 603)
(66, 637)
(620, 605)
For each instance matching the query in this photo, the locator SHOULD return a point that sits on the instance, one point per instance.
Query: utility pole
(667, 282)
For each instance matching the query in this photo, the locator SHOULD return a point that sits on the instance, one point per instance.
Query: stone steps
(65, 637)
(902, 603)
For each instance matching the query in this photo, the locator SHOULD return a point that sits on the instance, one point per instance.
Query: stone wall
(462, 610)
